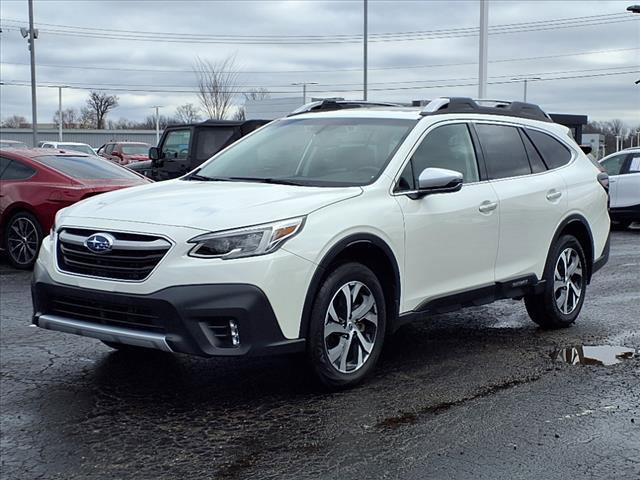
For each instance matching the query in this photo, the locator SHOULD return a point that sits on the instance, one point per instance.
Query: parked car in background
(125, 153)
(69, 146)
(36, 183)
(184, 147)
(624, 186)
(324, 232)
(12, 144)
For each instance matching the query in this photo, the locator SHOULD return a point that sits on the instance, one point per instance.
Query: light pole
(60, 118)
(364, 45)
(157, 107)
(525, 80)
(483, 48)
(32, 33)
(304, 89)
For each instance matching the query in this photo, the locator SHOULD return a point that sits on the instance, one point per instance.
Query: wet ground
(477, 394)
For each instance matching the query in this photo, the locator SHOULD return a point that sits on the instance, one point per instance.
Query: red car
(36, 183)
(125, 153)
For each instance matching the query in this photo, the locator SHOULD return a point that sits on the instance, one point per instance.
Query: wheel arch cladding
(577, 226)
(371, 251)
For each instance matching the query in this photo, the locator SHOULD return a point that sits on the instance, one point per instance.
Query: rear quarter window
(16, 171)
(554, 153)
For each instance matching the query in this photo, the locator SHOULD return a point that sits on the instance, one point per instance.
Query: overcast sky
(600, 48)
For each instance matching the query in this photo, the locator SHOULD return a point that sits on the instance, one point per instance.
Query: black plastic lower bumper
(630, 213)
(193, 319)
(603, 259)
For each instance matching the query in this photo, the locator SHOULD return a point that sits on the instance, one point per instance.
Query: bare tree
(101, 103)
(87, 118)
(257, 94)
(70, 118)
(187, 113)
(14, 121)
(218, 85)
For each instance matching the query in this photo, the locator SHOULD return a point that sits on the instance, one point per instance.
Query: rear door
(629, 182)
(531, 204)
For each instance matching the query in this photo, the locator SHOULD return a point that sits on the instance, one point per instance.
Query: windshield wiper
(279, 181)
(202, 178)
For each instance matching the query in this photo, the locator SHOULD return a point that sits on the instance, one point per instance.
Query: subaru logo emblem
(99, 242)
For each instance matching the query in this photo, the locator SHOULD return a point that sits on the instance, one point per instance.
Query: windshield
(86, 168)
(77, 148)
(138, 149)
(312, 151)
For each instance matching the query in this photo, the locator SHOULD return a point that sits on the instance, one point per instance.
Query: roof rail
(327, 105)
(489, 107)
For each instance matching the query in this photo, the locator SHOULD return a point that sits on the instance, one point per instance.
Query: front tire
(565, 278)
(347, 326)
(22, 237)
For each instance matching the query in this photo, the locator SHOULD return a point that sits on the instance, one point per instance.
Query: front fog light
(235, 335)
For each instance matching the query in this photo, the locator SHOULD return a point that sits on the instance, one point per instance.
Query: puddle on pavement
(593, 355)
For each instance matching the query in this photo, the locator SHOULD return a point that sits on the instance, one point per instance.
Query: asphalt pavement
(474, 394)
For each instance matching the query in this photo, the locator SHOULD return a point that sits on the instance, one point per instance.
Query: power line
(288, 40)
(415, 87)
(396, 67)
(98, 86)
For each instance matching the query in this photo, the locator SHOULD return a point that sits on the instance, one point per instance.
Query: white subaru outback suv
(325, 231)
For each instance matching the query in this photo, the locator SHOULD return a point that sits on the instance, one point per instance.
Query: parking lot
(472, 394)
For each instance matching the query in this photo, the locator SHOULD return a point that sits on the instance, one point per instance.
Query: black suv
(184, 147)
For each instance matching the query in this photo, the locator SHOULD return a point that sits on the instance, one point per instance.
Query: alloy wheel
(568, 281)
(350, 327)
(22, 240)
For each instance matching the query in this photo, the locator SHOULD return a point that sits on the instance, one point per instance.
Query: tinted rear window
(503, 150)
(86, 168)
(554, 153)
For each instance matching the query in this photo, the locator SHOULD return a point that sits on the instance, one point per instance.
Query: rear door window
(504, 152)
(17, 171)
(554, 153)
(211, 140)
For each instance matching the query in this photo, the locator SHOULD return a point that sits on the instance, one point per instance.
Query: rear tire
(347, 326)
(565, 278)
(22, 238)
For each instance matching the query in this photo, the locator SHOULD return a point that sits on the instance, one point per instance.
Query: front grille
(132, 256)
(106, 313)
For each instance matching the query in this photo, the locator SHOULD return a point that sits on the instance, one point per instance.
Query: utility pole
(304, 89)
(60, 118)
(33, 34)
(483, 49)
(365, 45)
(157, 107)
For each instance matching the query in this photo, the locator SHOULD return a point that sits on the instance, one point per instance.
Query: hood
(209, 206)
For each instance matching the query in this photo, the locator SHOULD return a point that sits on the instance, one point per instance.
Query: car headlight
(245, 242)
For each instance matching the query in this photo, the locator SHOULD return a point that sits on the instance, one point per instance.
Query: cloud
(602, 97)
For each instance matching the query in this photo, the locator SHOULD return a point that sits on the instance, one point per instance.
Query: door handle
(487, 206)
(553, 195)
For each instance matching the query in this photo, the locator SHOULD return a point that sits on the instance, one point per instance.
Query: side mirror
(439, 180)
(154, 153)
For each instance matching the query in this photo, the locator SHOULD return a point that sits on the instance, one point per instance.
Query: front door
(451, 239)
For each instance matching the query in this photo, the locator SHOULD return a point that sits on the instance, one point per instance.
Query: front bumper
(191, 319)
